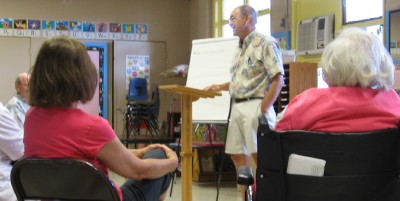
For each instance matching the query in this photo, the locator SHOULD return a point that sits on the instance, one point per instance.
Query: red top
(342, 109)
(66, 133)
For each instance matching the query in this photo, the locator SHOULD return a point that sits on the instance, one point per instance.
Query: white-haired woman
(360, 75)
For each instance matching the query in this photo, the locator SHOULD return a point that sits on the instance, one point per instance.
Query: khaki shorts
(243, 124)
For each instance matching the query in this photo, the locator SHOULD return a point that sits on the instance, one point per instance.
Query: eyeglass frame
(233, 18)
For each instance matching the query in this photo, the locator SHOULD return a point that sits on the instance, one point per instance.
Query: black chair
(150, 109)
(359, 166)
(60, 179)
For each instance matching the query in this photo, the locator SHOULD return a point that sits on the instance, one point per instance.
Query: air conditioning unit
(314, 34)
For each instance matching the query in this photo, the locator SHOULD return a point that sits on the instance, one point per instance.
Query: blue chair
(137, 89)
(142, 108)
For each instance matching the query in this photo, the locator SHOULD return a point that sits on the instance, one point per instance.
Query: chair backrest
(154, 102)
(137, 89)
(154, 94)
(359, 166)
(60, 179)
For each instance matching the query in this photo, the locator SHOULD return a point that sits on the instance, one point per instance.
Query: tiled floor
(201, 191)
(207, 191)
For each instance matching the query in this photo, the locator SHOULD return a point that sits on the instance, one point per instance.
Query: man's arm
(272, 93)
(218, 87)
(11, 138)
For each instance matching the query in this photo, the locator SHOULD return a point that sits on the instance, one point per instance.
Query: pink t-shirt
(342, 109)
(66, 133)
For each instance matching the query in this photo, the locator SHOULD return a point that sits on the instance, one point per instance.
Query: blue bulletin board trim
(102, 47)
(283, 38)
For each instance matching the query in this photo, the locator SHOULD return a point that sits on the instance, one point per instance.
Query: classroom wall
(201, 19)
(280, 15)
(392, 4)
(303, 9)
(168, 21)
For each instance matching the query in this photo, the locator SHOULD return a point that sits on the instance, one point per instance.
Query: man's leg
(241, 160)
(254, 156)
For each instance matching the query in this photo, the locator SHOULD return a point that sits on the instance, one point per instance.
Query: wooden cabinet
(298, 77)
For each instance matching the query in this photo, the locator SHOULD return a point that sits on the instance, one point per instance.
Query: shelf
(206, 163)
(298, 77)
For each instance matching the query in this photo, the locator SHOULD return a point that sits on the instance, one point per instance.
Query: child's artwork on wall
(128, 31)
(62, 27)
(6, 26)
(101, 30)
(141, 31)
(20, 26)
(115, 31)
(48, 28)
(34, 28)
(73, 28)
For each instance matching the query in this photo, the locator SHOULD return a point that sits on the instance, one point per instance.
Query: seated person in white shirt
(11, 149)
(18, 105)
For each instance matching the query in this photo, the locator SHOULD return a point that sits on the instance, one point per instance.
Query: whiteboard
(210, 63)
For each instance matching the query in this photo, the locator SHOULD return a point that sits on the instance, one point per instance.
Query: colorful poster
(62, 27)
(75, 29)
(137, 66)
(141, 31)
(6, 26)
(128, 31)
(34, 28)
(393, 44)
(34, 24)
(48, 25)
(48, 28)
(89, 26)
(20, 26)
(6, 23)
(102, 30)
(115, 31)
(115, 27)
(89, 29)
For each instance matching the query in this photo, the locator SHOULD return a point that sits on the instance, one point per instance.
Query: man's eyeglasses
(233, 18)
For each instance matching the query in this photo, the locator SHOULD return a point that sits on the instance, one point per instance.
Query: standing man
(256, 81)
(18, 105)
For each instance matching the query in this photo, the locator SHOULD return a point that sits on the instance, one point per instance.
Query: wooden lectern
(188, 95)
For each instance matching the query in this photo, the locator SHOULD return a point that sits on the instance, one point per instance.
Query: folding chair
(60, 179)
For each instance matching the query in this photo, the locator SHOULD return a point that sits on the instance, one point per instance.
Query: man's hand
(218, 87)
(214, 88)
